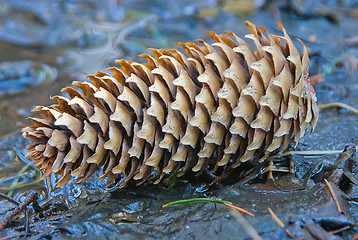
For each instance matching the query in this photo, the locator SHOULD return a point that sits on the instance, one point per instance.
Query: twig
(347, 153)
(279, 222)
(9, 199)
(246, 225)
(5, 221)
(333, 196)
(340, 105)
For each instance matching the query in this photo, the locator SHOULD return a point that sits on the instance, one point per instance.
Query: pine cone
(210, 110)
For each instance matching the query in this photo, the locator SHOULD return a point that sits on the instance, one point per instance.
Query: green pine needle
(196, 200)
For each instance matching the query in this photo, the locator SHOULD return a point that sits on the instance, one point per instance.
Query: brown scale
(212, 108)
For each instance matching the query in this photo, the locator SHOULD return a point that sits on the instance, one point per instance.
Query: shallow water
(74, 38)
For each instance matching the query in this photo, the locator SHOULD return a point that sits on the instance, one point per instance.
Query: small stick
(333, 196)
(279, 222)
(347, 153)
(340, 105)
(5, 221)
(9, 199)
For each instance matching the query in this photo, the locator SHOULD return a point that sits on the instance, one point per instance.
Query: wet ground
(46, 45)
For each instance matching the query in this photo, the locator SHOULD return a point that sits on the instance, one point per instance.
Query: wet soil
(65, 40)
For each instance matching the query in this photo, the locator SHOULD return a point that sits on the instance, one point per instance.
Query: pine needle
(307, 153)
(333, 196)
(191, 200)
(275, 218)
(340, 105)
(226, 203)
(239, 209)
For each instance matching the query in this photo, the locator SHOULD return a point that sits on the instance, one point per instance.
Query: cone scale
(208, 108)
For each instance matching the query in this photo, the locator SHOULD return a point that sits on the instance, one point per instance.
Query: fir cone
(210, 109)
